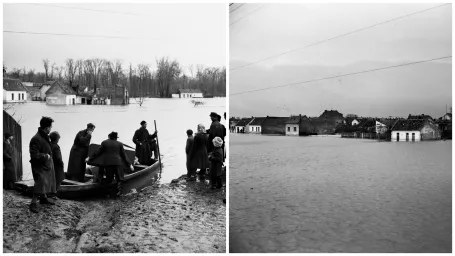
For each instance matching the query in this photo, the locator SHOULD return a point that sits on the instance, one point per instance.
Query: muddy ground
(177, 217)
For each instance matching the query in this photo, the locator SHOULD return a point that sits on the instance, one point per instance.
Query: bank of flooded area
(177, 217)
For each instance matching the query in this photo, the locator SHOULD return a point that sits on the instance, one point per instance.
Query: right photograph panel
(340, 128)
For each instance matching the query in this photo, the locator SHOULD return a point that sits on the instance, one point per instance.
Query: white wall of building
(175, 96)
(191, 95)
(354, 122)
(253, 129)
(14, 96)
(292, 129)
(402, 135)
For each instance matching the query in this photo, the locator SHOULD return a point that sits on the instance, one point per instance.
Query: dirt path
(178, 217)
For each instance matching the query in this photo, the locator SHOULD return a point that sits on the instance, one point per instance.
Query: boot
(33, 207)
(46, 200)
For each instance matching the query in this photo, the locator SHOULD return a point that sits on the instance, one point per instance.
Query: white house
(240, 127)
(292, 126)
(254, 126)
(191, 93)
(355, 122)
(13, 91)
(415, 130)
(60, 94)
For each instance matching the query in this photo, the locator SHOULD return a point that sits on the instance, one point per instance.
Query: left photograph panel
(114, 122)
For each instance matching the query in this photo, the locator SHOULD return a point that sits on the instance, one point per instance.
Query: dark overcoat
(143, 140)
(78, 154)
(188, 148)
(110, 153)
(216, 162)
(42, 168)
(216, 130)
(198, 155)
(58, 164)
(9, 169)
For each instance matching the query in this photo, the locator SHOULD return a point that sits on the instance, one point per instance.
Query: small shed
(191, 93)
(293, 126)
(60, 94)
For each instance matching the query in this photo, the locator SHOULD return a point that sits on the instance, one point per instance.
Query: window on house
(289, 129)
(295, 129)
(12, 96)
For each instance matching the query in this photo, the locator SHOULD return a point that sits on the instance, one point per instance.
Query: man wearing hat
(216, 130)
(112, 157)
(145, 143)
(9, 169)
(78, 154)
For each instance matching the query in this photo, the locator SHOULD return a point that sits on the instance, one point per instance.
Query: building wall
(380, 127)
(354, 122)
(255, 129)
(430, 131)
(192, 95)
(402, 136)
(292, 129)
(238, 129)
(14, 96)
(43, 91)
(60, 99)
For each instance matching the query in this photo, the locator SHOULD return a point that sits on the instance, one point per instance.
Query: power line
(74, 35)
(88, 9)
(235, 9)
(247, 15)
(343, 75)
(336, 37)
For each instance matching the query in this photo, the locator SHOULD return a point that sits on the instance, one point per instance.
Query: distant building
(13, 91)
(293, 126)
(355, 121)
(445, 125)
(415, 130)
(60, 94)
(255, 125)
(274, 125)
(240, 127)
(191, 93)
(43, 89)
(306, 126)
(33, 93)
(328, 121)
(114, 95)
(422, 116)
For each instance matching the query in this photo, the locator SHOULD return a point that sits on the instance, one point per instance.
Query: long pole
(158, 145)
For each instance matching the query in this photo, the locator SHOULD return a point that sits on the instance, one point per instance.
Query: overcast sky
(258, 31)
(191, 33)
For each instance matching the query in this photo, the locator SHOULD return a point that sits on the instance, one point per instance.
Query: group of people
(206, 150)
(48, 167)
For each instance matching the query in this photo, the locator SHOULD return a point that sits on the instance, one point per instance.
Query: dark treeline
(141, 80)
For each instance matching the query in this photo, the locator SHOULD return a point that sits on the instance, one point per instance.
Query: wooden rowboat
(75, 189)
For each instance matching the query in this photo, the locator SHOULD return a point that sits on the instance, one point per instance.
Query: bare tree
(70, 71)
(46, 68)
(97, 63)
(167, 72)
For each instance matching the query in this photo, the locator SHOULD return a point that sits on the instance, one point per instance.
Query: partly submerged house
(255, 126)
(415, 130)
(240, 127)
(60, 94)
(293, 126)
(274, 125)
(13, 91)
(191, 93)
(114, 95)
(328, 121)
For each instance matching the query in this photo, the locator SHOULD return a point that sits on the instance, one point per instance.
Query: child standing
(190, 171)
(216, 163)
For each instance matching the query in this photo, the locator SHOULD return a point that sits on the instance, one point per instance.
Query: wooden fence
(10, 125)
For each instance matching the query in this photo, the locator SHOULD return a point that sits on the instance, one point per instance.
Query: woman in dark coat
(216, 163)
(199, 157)
(42, 164)
(57, 158)
(78, 154)
(9, 169)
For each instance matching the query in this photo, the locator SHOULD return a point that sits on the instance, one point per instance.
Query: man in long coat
(144, 144)
(9, 169)
(42, 165)
(112, 157)
(78, 154)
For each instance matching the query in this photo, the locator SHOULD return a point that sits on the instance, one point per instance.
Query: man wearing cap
(112, 157)
(9, 169)
(145, 143)
(78, 154)
(216, 130)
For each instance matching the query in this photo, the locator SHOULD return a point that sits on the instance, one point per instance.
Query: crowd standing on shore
(206, 151)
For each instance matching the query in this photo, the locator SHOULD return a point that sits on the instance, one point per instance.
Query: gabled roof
(190, 91)
(272, 120)
(32, 89)
(58, 87)
(293, 120)
(422, 116)
(257, 121)
(244, 122)
(409, 125)
(13, 85)
(331, 114)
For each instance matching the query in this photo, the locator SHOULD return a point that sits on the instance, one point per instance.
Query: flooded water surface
(173, 118)
(327, 194)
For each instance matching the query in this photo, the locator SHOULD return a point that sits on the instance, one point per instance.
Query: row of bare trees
(143, 81)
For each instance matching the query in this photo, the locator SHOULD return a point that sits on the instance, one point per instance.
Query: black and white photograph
(114, 127)
(340, 128)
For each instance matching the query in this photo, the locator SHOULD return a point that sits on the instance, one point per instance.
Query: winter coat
(216, 130)
(216, 161)
(78, 154)
(42, 168)
(198, 155)
(143, 141)
(9, 169)
(110, 153)
(58, 164)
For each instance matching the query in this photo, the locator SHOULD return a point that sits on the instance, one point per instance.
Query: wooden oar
(158, 145)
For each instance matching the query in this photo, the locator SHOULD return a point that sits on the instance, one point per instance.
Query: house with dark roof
(114, 95)
(306, 126)
(328, 121)
(415, 130)
(383, 125)
(274, 125)
(60, 94)
(445, 124)
(191, 93)
(422, 116)
(240, 127)
(255, 126)
(293, 125)
(13, 91)
(33, 93)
